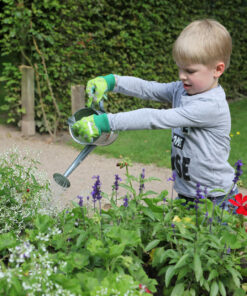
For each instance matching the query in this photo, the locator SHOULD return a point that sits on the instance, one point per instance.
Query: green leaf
(7, 240)
(235, 275)
(128, 188)
(222, 288)
(169, 274)
(116, 250)
(213, 274)
(152, 245)
(231, 240)
(152, 206)
(79, 260)
(214, 289)
(178, 290)
(126, 237)
(192, 292)
(182, 261)
(81, 239)
(197, 267)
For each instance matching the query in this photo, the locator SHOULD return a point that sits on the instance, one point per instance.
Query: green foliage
(147, 244)
(22, 194)
(69, 42)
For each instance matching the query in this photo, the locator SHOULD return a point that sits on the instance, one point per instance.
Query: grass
(239, 136)
(153, 146)
(140, 146)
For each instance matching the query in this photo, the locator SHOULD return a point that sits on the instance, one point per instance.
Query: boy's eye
(190, 71)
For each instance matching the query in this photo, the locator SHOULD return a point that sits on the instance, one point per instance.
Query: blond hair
(203, 42)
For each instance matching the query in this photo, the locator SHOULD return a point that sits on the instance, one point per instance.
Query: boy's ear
(219, 69)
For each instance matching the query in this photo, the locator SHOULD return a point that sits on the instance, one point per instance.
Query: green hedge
(82, 39)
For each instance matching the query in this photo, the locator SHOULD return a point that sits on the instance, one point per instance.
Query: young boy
(199, 117)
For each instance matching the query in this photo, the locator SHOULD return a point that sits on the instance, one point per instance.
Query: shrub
(69, 42)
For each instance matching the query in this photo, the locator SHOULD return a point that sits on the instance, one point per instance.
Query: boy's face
(197, 78)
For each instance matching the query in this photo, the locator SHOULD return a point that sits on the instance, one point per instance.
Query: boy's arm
(195, 115)
(143, 89)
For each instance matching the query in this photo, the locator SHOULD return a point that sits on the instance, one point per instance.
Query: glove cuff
(102, 122)
(110, 80)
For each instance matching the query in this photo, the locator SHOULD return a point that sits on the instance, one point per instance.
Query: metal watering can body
(103, 140)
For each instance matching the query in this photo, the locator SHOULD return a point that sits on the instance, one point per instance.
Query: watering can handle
(101, 106)
(101, 102)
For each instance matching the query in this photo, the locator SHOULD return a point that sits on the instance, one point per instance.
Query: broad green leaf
(169, 274)
(178, 290)
(127, 237)
(116, 250)
(79, 260)
(152, 245)
(222, 288)
(149, 213)
(192, 292)
(197, 267)
(239, 292)
(7, 240)
(235, 275)
(213, 274)
(152, 206)
(230, 240)
(43, 222)
(214, 289)
(182, 261)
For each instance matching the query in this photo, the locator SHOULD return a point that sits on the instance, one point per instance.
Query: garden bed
(143, 244)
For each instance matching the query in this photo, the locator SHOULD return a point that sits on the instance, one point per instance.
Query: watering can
(103, 140)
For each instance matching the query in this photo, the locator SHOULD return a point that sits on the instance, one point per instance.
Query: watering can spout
(103, 140)
(62, 180)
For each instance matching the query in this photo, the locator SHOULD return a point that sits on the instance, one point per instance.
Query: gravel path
(57, 157)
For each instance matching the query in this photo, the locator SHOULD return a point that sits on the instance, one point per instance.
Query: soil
(56, 157)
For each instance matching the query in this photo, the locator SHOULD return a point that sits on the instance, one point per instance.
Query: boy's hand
(91, 127)
(96, 88)
(86, 129)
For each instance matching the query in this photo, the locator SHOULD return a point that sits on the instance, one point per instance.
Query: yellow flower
(176, 219)
(187, 219)
(238, 133)
(244, 287)
(231, 135)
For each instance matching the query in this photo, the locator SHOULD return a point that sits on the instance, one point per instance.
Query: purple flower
(223, 205)
(80, 200)
(238, 172)
(142, 177)
(125, 202)
(173, 178)
(228, 251)
(96, 193)
(116, 183)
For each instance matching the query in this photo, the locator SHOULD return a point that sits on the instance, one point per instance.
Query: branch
(47, 77)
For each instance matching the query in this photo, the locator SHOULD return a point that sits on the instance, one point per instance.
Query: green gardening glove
(97, 88)
(89, 128)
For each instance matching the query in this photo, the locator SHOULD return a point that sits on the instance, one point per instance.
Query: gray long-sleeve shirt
(200, 131)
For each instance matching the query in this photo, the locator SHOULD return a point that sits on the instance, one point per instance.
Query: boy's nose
(182, 75)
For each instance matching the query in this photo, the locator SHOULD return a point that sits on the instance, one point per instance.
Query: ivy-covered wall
(71, 41)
